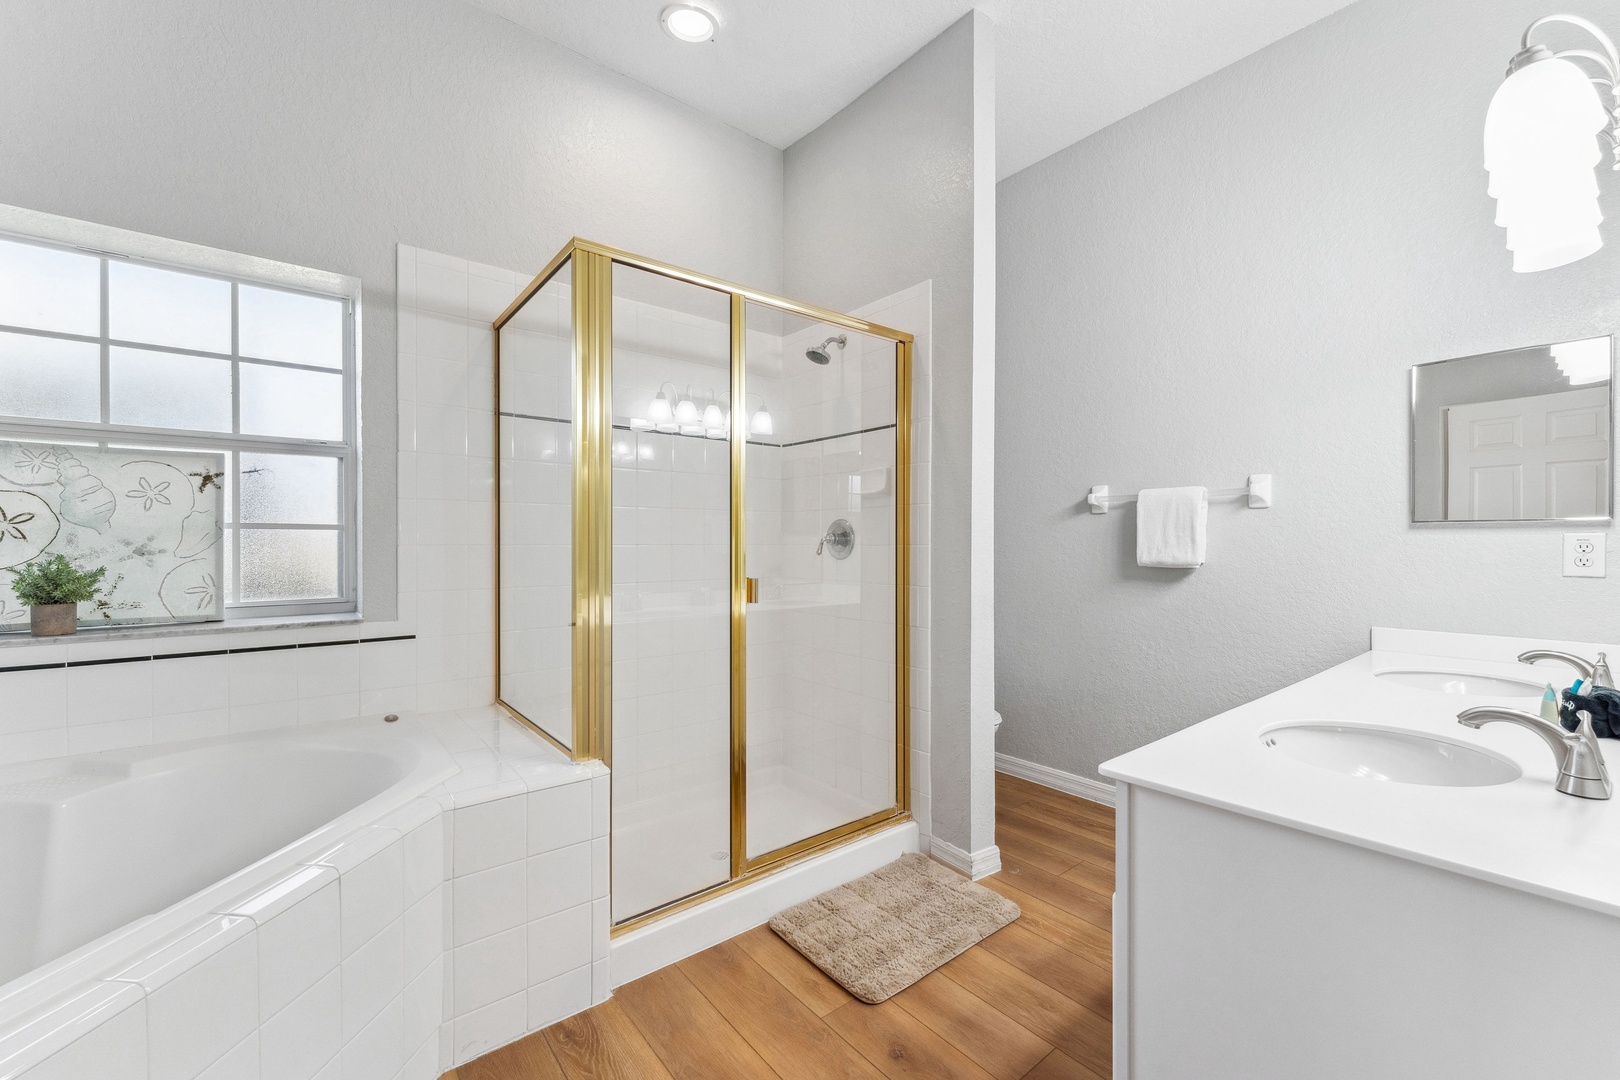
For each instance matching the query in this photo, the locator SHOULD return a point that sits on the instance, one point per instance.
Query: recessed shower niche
(703, 534)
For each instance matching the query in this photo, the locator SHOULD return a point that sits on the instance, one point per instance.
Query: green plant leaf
(55, 581)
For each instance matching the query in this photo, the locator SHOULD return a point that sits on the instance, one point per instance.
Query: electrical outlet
(1584, 554)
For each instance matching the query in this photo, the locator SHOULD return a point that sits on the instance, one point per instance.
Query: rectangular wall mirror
(1521, 435)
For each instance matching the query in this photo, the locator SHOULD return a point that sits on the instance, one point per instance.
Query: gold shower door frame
(592, 304)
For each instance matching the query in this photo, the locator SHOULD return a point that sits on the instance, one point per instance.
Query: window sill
(22, 640)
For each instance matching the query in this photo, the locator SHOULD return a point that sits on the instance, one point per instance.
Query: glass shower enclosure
(703, 523)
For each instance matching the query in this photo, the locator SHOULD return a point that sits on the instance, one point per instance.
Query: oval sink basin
(1458, 682)
(1400, 757)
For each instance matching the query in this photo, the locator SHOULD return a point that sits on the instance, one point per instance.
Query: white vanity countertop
(1523, 834)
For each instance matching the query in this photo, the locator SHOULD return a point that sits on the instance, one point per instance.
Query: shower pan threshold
(784, 807)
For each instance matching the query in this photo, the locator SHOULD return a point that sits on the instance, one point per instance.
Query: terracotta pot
(53, 620)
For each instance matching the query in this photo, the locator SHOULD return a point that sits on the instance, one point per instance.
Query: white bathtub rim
(326, 845)
(44, 1011)
(45, 1031)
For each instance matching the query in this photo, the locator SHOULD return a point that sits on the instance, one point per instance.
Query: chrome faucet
(1594, 673)
(1581, 771)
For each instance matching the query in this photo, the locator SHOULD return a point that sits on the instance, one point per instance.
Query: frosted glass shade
(1540, 149)
(686, 411)
(659, 411)
(761, 424)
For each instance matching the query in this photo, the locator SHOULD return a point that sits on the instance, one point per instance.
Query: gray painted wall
(322, 132)
(1236, 280)
(878, 198)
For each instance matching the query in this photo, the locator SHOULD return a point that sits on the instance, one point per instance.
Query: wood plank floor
(1031, 1001)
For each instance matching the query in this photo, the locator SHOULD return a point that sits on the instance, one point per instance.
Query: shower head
(820, 355)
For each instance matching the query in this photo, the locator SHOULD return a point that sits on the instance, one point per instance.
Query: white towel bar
(1258, 492)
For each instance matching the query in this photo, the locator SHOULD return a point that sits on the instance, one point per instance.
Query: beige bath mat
(881, 933)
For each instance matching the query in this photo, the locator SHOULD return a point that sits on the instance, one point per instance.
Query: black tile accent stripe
(206, 652)
(845, 435)
(105, 660)
(531, 416)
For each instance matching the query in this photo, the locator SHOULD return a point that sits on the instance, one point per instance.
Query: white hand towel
(1170, 526)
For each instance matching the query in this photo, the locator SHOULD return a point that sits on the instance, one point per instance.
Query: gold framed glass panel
(703, 564)
(820, 525)
(535, 424)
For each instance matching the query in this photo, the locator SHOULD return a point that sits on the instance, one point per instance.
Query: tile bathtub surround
(464, 920)
(64, 702)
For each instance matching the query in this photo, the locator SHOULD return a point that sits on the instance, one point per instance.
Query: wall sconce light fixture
(1542, 143)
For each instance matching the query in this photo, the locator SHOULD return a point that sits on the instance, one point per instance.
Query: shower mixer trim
(839, 539)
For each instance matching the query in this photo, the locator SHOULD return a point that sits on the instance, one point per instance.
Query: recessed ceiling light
(690, 23)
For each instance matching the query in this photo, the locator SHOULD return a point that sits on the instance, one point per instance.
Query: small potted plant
(53, 589)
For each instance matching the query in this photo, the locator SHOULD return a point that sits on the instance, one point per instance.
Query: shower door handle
(752, 590)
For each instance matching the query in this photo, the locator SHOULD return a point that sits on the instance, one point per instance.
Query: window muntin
(100, 348)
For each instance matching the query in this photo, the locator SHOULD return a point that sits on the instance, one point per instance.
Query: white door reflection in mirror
(1532, 457)
(1521, 435)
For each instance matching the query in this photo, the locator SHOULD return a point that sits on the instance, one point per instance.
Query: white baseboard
(684, 933)
(1097, 791)
(975, 865)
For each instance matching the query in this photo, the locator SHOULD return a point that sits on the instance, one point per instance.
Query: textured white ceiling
(1064, 68)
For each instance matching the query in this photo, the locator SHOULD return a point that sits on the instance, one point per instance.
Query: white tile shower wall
(463, 921)
(671, 600)
(537, 447)
(821, 647)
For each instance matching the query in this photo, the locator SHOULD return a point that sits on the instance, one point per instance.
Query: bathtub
(96, 847)
(279, 903)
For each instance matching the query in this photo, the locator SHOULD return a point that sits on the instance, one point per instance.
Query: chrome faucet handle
(1595, 673)
(1601, 675)
(1585, 775)
(1581, 769)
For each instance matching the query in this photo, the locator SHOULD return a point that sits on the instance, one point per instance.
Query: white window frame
(107, 243)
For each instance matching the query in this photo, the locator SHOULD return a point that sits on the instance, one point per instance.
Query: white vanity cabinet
(1277, 921)
(1247, 950)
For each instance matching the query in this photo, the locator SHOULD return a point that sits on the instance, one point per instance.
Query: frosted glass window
(49, 289)
(115, 351)
(164, 307)
(291, 403)
(288, 564)
(171, 390)
(292, 327)
(293, 488)
(49, 378)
